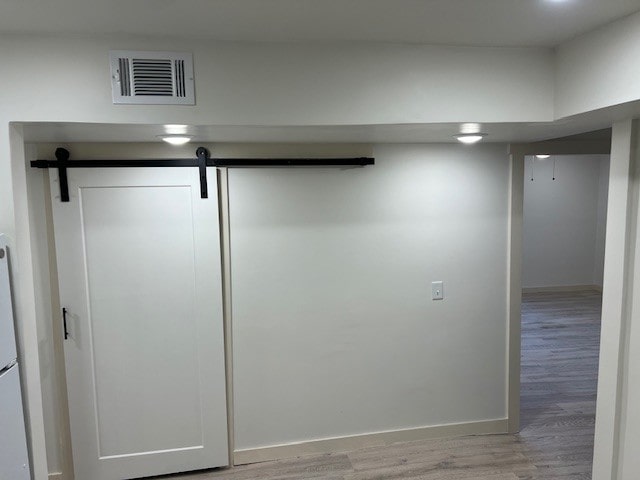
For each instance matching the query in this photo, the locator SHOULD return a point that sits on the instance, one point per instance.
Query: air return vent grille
(161, 78)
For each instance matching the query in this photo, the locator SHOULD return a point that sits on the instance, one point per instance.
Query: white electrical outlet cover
(437, 290)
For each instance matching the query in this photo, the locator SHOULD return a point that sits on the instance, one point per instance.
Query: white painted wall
(626, 462)
(628, 459)
(335, 332)
(601, 225)
(68, 79)
(597, 69)
(617, 433)
(564, 220)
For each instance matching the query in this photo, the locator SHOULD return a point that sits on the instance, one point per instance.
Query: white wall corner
(629, 388)
(25, 308)
(593, 70)
(615, 308)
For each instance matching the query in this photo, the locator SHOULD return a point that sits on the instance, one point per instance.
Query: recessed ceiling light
(542, 156)
(176, 129)
(176, 139)
(469, 138)
(470, 128)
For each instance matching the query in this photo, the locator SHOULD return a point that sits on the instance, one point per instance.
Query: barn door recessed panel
(139, 268)
(143, 320)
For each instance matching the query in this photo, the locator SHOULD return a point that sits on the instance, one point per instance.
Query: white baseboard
(343, 444)
(562, 288)
(56, 476)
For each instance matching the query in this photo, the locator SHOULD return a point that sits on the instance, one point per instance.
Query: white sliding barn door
(139, 271)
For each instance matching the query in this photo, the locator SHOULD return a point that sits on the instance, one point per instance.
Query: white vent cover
(152, 78)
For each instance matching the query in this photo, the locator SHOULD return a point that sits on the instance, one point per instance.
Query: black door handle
(64, 321)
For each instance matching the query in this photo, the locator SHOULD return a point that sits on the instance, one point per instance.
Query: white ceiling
(452, 22)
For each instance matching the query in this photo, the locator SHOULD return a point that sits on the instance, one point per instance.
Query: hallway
(560, 349)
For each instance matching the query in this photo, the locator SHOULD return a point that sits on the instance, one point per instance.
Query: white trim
(343, 444)
(225, 251)
(562, 288)
(514, 288)
(56, 476)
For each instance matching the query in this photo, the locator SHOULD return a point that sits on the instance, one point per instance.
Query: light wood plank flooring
(560, 348)
(560, 342)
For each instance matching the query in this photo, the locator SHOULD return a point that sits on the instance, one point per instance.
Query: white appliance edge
(14, 459)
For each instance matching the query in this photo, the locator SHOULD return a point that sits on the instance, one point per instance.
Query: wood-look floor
(560, 343)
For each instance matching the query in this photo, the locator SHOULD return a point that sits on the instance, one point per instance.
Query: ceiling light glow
(542, 156)
(176, 139)
(470, 138)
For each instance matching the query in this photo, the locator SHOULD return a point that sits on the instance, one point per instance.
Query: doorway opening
(564, 225)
